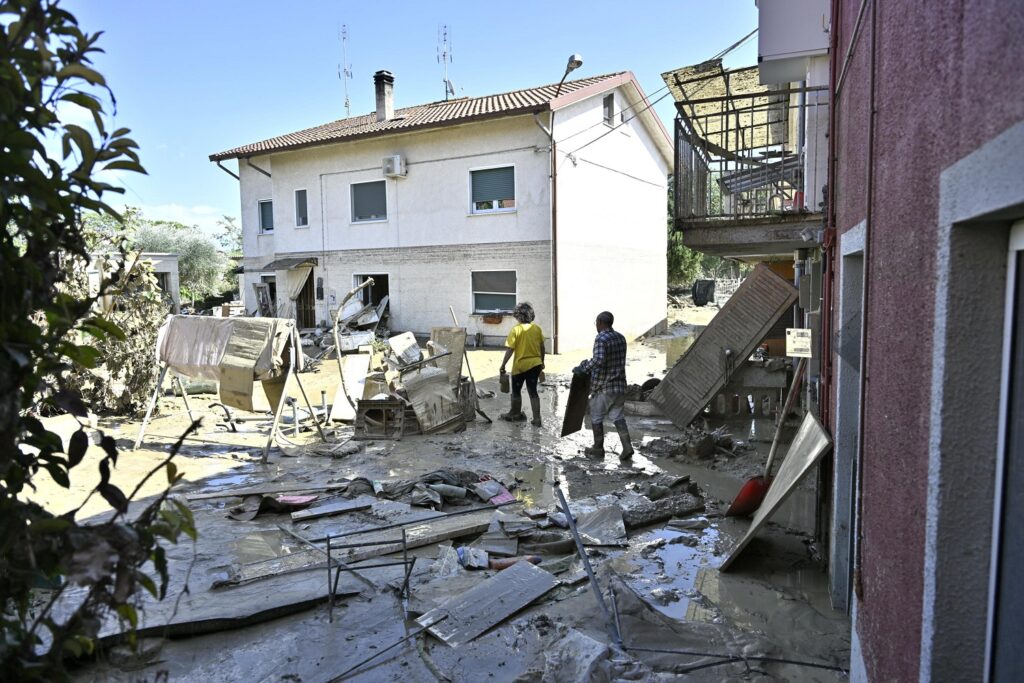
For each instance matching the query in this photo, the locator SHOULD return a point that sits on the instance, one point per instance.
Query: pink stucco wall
(948, 79)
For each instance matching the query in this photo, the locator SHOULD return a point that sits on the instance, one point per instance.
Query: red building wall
(948, 78)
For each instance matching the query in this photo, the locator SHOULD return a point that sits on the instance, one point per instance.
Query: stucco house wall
(431, 240)
(947, 81)
(612, 215)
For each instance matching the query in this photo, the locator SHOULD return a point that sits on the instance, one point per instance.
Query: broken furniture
(379, 419)
(729, 339)
(234, 352)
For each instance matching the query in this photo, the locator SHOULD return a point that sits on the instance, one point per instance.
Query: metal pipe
(228, 171)
(554, 234)
(594, 585)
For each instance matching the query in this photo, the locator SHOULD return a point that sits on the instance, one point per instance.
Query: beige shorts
(606, 405)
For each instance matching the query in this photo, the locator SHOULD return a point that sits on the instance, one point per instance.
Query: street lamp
(575, 62)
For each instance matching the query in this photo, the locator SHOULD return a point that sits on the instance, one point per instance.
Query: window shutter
(503, 281)
(494, 184)
(267, 215)
(369, 201)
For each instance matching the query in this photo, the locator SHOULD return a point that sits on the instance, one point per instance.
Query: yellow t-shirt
(528, 342)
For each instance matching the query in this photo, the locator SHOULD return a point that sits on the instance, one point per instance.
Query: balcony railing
(740, 150)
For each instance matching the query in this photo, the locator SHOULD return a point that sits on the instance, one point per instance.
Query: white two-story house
(552, 195)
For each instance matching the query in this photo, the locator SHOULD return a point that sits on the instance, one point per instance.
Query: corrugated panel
(741, 325)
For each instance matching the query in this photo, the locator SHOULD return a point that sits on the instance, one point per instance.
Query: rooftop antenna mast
(345, 69)
(444, 56)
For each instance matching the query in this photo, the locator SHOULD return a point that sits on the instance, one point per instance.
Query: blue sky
(192, 78)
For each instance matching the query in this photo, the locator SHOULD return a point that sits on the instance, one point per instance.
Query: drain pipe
(553, 178)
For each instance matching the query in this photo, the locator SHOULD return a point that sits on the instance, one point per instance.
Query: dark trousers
(530, 377)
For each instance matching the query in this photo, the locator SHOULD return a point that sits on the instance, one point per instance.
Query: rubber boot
(598, 447)
(515, 413)
(535, 406)
(627, 445)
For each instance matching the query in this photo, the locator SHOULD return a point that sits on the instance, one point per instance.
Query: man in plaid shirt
(607, 371)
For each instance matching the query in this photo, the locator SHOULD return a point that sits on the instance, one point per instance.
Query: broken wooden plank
(739, 327)
(576, 405)
(334, 508)
(487, 604)
(267, 490)
(453, 339)
(390, 541)
(809, 445)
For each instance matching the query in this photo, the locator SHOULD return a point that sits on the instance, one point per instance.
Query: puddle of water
(667, 576)
(233, 478)
(263, 545)
(674, 346)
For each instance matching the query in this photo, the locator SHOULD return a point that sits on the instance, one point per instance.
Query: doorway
(376, 292)
(305, 305)
(1007, 592)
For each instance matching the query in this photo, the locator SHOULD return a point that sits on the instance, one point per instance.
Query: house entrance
(305, 305)
(375, 292)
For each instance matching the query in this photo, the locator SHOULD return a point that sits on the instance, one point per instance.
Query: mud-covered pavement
(668, 591)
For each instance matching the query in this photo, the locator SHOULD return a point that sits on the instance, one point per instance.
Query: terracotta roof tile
(430, 115)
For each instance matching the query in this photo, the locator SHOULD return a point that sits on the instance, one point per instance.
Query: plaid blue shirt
(608, 366)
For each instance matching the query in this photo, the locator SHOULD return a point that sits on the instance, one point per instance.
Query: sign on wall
(798, 342)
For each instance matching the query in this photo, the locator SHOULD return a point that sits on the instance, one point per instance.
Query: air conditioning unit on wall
(394, 166)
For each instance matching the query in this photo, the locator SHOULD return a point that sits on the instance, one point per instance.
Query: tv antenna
(345, 69)
(444, 56)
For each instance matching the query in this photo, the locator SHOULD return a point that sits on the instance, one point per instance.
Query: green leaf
(127, 612)
(114, 496)
(77, 446)
(107, 326)
(83, 72)
(125, 165)
(172, 473)
(59, 474)
(83, 100)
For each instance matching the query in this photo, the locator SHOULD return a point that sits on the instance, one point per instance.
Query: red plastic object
(749, 498)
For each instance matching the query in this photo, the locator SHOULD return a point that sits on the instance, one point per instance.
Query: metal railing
(740, 156)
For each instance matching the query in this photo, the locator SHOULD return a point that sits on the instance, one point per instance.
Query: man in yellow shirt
(526, 342)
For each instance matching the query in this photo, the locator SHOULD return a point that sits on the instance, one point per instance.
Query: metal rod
(317, 548)
(413, 522)
(295, 418)
(330, 592)
(184, 397)
(405, 558)
(312, 413)
(346, 672)
(152, 406)
(595, 586)
(615, 608)
(323, 403)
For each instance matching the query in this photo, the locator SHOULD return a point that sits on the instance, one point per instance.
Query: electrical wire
(650, 104)
(727, 659)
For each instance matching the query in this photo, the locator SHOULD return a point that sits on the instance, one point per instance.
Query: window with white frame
(609, 109)
(493, 189)
(301, 212)
(266, 215)
(494, 291)
(369, 201)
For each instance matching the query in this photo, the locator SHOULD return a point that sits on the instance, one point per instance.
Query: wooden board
(743, 322)
(453, 339)
(335, 507)
(809, 445)
(576, 405)
(487, 604)
(417, 535)
(267, 490)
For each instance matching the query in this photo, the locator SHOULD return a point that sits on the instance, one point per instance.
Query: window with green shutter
(266, 216)
(494, 291)
(493, 189)
(369, 201)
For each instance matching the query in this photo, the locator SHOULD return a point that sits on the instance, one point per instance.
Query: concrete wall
(611, 223)
(430, 207)
(947, 81)
(167, 264)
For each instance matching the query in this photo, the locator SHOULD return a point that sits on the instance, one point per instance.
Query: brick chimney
(383, 84)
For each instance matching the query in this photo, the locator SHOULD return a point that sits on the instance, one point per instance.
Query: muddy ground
(669, 593)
